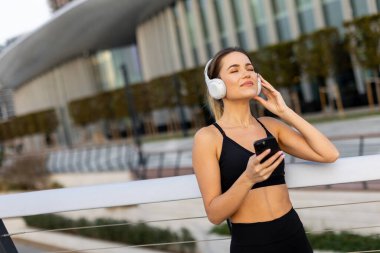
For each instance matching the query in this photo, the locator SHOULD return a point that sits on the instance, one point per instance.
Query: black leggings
(285, 234)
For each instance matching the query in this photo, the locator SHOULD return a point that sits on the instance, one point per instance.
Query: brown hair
(216, 105)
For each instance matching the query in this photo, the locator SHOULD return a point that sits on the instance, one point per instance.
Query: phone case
(264, 144)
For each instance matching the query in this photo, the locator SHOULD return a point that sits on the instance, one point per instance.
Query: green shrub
(25, 173)
(343, 241)
(221, 229)
(134, 234)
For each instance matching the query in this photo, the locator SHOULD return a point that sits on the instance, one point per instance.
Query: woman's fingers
(264, 170)
(272, 159)
(260, 157)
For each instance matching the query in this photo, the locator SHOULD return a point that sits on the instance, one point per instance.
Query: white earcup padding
(216, 88)
(258, 84)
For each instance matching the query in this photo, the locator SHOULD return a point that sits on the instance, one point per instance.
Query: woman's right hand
(258, 172)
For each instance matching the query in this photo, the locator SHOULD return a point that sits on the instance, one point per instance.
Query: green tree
(278, 65)
(319, 54)
(362, 40)
(193, 90)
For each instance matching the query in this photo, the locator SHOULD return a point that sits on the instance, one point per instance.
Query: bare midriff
(263, 204)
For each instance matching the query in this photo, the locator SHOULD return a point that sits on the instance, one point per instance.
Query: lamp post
(177, 88)
(132, 113)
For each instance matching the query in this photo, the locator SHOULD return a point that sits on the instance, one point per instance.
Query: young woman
(235, 185)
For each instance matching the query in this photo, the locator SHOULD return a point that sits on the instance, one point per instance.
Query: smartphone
(264, 144)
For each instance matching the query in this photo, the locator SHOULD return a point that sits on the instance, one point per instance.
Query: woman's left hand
(274, 103)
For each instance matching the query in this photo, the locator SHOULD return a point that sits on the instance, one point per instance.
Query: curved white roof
(80, 28)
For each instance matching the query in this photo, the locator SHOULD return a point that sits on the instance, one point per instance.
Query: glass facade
(333, 13)
(282, 20)
(109, 67)
(177, 31)
(191, 27)
(305, 15)
(259, 20)
(6, 104)
(221, 22)
(203, 9)
(239, 23)
(359, 8)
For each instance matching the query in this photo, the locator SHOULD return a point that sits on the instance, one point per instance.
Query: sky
(21, 16)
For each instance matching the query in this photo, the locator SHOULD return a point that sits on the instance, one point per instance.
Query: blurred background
(102, 91)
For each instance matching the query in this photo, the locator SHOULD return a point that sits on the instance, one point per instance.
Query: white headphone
(216, 86)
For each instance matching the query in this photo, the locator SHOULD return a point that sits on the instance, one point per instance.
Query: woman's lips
(247, 83)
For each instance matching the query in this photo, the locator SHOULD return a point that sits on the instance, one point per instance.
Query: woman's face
(238, 74)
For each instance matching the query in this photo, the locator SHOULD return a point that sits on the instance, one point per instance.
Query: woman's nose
(247, 73)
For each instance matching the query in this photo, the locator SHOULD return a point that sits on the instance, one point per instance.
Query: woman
(252, 196)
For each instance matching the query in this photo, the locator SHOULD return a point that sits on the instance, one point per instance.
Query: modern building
(79, 51)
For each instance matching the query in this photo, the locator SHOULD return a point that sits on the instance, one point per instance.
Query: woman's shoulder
(206, 134)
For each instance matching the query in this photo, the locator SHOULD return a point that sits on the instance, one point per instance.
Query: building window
(332, 10)
(258, 18)
(378, 5)
(282, 19)
(178, 35)
(221, 22)
(206, 33)
(6, 104)
(239, 23)
(191, 29)
(305, 15)
(109, 64)
(359, 8)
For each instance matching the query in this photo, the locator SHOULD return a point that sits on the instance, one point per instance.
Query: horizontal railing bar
(366, 251)
(303, 174)
(166, 220)
(340, 204)
(354, 136)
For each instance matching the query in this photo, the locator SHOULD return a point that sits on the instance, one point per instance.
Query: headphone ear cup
(216, 88)
(258, 86)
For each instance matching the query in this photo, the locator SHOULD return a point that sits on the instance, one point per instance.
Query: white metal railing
(344, 170)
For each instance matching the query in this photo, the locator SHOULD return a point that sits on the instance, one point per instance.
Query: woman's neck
(236, 114)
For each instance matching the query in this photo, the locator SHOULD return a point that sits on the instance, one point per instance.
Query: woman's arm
(220, 206)
(308, 143)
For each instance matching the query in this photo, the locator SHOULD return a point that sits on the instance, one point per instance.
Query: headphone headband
(206, 70)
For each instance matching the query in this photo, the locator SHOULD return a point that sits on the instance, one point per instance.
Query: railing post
(361, 145)
(361, 152)
(178, 161)
(132, 113)
(161, 164)
(6, 243)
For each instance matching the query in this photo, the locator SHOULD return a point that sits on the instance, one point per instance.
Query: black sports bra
(233, 162)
